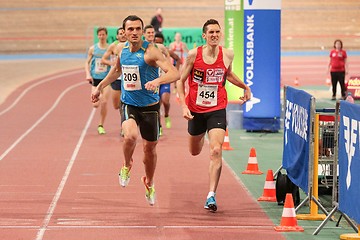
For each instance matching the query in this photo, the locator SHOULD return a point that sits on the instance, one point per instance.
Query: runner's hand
(152, 85)
(187, 114)
(95, 95)
(89, 79)
(246, 97)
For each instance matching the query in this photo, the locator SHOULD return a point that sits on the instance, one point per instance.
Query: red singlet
(207, 91)
(179, 50)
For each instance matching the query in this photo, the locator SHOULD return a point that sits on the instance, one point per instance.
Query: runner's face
(121, 36)
(178, 37)
(149, 34)
(133, 31)
(158, 40)
(102, 36)
(212, 35)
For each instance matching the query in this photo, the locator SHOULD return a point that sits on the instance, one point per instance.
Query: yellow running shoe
(124, 176)
(149, 192)
(101, 130)
(167, 122)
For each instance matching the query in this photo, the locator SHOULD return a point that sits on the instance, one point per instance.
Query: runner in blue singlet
(138, 63)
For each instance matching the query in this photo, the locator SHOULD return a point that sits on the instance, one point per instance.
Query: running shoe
(160, 131)
(167, 122)
(124, 176)
(210, 204)
(101, 130)
(149, 192)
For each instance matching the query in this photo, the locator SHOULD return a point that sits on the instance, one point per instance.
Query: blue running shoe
(211, 204)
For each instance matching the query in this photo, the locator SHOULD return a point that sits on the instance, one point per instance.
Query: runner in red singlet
(207, 68)
(179, 47)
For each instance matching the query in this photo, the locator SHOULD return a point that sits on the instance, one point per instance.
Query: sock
(211, 194)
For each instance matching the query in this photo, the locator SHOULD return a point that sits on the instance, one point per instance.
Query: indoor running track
(59, 178)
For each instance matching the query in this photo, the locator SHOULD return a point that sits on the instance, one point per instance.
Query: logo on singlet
(214, 75)
(198, 76)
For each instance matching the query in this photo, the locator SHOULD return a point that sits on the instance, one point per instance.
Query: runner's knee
(216, 152)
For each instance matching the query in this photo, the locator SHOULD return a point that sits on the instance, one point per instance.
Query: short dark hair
(132, 18)
(159, 35)
(101, 29)
(120, 28)
(148, 26)
(209, 22)
(341, 43)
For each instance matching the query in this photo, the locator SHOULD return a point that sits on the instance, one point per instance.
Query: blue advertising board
(349, 160)
(297, 137)
(262, 32)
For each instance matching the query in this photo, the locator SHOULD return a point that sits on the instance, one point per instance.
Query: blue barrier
(349, 160)
(297, 137)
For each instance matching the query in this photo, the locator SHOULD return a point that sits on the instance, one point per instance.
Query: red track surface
(58, 177)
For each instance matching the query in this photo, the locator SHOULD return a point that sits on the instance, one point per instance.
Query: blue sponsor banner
(262, 52)
(349, 160)
(297, 137)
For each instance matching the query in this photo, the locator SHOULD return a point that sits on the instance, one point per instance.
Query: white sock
(211, 194)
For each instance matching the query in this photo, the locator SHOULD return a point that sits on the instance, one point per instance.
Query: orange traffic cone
(296, 81)
(288, 220)
(328, 81)
(252, 167)
(226, 144)
(269, 194)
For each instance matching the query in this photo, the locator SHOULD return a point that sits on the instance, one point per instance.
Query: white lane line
(50, 212)
(168, 227)
(152, 227)
(35, 85)
(240, 182)
(39, 120)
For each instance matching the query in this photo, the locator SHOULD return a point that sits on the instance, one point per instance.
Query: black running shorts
(203, 122)
(147, 118)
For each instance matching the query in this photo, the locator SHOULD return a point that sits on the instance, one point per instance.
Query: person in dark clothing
(157, 20)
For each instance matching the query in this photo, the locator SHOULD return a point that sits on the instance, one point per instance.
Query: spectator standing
(338, 68)
(157, 20)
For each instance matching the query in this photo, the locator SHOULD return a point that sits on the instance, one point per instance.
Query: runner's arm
(106, 57)
(176, 58)
(186, 69)
(231, 77)
(171, 73)
(114, 74)
(87, 64)
(180, 85)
